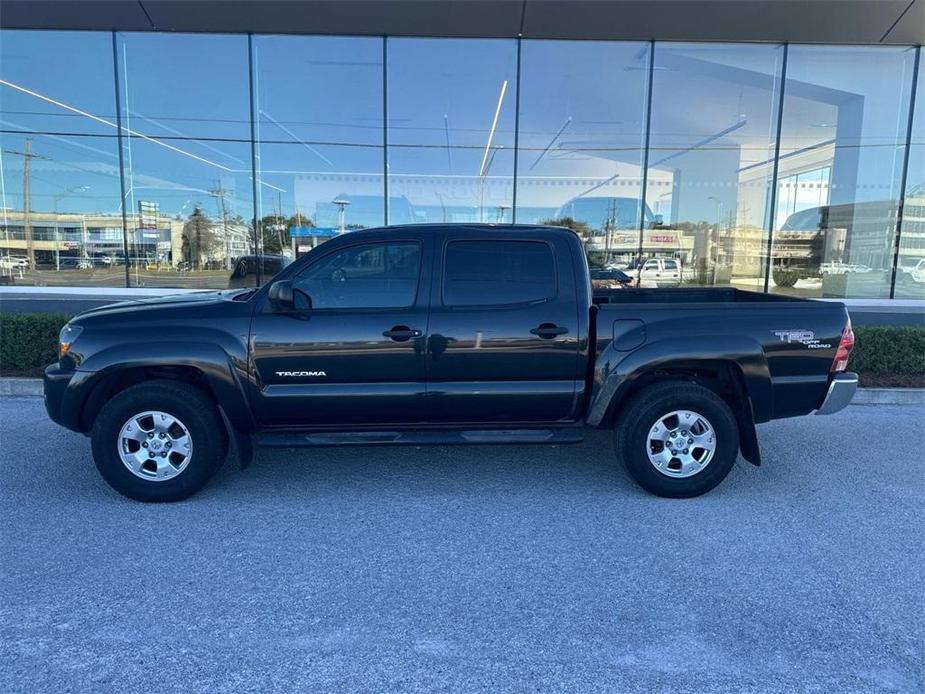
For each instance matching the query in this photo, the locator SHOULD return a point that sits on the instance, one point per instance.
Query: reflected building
(739, 160)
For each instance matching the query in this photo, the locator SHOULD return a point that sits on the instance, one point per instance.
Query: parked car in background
(664, 272)
(14, 261)
(244, 269)
(75, 263)
(913, 269)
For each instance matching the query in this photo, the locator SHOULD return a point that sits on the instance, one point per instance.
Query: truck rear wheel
(677, 439)
(159, 441)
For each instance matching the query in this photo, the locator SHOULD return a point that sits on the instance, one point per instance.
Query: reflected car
(244, 269)
(608, 278)
(913, 269)
(662, 271)
(860, 231)
(78, 263)
(14, 261)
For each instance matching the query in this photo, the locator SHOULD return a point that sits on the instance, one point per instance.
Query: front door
(503, 344)
(356, 356)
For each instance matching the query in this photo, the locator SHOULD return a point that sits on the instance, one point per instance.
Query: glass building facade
(168, 160)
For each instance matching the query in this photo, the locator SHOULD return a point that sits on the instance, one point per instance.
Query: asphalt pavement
(470, 569)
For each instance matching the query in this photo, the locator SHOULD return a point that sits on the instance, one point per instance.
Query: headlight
(66, 338)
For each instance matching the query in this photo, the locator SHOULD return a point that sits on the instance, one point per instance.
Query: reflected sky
(332, 115)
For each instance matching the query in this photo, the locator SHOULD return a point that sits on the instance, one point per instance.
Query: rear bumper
(841, 390)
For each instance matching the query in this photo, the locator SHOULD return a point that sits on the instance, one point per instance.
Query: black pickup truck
(472, 334)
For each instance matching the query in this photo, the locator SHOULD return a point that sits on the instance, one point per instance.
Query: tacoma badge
(299, 374)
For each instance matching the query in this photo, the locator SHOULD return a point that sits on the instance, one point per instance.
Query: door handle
(401, 333)
(547, 331)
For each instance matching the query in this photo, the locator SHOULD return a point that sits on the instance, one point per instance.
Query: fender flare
(617, 372)
(224, 375)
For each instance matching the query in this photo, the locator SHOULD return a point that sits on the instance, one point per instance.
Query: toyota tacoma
(470, 334)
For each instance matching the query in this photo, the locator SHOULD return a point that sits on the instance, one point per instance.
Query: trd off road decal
(807, 338)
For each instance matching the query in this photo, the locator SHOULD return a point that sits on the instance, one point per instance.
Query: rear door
(503, 343)
(356, 356)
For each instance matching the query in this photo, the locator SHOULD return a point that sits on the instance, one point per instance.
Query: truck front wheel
(677, 439)
(159, 441)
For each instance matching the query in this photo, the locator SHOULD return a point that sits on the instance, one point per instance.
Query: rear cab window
(498, 273)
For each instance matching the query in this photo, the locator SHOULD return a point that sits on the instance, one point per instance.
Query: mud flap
(241, 443)
(748, 437)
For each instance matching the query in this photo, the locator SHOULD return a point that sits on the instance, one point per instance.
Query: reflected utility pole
(27, 157)
(219, 193)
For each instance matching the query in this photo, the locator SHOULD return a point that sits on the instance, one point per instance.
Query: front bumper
(841, 390)
(56, 382)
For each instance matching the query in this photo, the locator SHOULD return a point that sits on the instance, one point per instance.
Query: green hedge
(888, 349)
(29, 341)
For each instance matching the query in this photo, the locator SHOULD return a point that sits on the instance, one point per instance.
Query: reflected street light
(341, 207)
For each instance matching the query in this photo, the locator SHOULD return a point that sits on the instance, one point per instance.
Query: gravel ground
(470, 569)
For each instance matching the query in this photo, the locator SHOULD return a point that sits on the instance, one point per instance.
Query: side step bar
(417, 438)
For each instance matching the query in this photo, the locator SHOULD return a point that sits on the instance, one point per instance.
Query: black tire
(188, 404)
(636, 419)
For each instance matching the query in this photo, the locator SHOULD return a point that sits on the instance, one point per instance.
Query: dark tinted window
(375, 275)
(485, 273)
(805, 220)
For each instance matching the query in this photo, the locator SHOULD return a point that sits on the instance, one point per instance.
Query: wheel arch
(206, 367)
(739, 376)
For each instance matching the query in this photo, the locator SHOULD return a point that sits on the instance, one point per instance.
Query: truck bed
(790, 341)
(692, 295)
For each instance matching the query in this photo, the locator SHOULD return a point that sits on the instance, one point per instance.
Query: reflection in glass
(318, 114)
(189, 198)
(910, 271)
(842, 146)
(184, 85)
(580, 147)
(61, 221)
(57, 82)
(711, 159)
(451, 129)
(320, 137)
(189, 216)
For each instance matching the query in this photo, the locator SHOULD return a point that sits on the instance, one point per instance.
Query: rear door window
(497, 273)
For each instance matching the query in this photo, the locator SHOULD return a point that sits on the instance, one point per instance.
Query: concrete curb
(889, 396)
(22, 387)
(32, 387)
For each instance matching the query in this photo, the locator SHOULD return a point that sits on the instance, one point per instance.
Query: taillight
(845, 345)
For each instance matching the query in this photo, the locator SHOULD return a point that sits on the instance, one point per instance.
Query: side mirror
(281, 294)
(658, 220)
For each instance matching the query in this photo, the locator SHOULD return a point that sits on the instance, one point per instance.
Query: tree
(199, 239)
(576, 225)
(275, 231)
